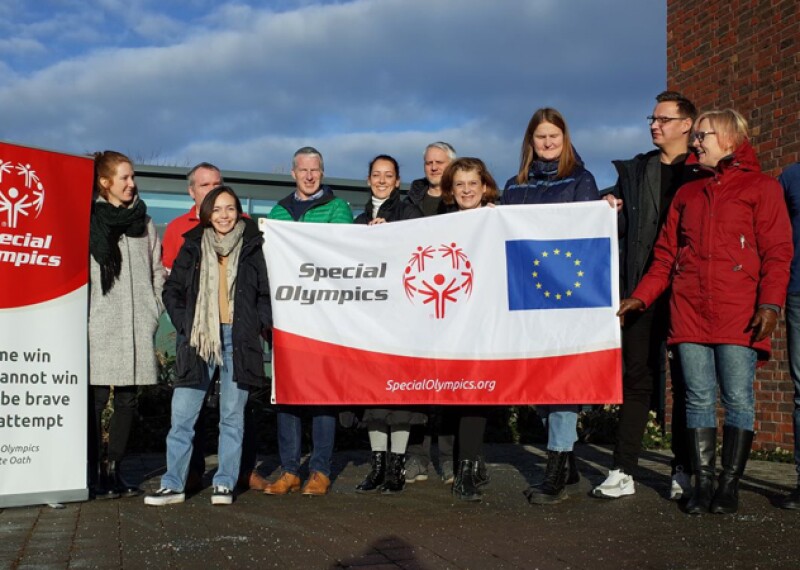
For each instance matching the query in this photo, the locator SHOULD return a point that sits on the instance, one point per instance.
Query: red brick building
(745, 54)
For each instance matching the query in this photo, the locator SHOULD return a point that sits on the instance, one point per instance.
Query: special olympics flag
(508, 305)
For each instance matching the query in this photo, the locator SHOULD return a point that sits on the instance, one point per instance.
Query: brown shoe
(256, 482)
(317, 484)
(286, 483)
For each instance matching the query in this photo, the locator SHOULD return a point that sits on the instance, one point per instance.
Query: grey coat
(122, 323)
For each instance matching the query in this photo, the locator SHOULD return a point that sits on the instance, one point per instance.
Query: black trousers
(643, 351)
(468, 425)
(119, 429)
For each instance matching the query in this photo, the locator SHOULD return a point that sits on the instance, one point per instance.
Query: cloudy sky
(243, 84)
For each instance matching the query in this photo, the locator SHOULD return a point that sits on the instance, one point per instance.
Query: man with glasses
(310, 202)
(643, 193)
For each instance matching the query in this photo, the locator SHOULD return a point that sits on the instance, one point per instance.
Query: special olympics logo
(438, 275)
(20, 190)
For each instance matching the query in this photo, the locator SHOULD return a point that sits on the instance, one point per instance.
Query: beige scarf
(205, 328)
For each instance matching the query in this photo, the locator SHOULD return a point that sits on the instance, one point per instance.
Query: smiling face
(548, 141)
(224, 215)
(436, 160)
(307, 174)
(468, 190)
(383, 179)
(203, 181)
(120, 188)
(712, 148)
(673, 132)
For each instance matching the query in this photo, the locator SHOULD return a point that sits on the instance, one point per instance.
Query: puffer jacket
(726, 247)
(392, 210)
(544, 186)
(327, 209)
(252, 315)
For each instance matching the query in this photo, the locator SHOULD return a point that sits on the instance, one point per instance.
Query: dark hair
(685, 107)
(207, 207)
(204, 165)
(468, 164)
(105, 166)
(387, 158)
(566, 162)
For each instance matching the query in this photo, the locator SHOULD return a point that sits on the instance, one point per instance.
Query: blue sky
(243, 84)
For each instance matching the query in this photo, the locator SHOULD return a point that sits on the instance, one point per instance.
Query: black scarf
(108, 223)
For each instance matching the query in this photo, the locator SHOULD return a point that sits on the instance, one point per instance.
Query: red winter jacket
(725, 249)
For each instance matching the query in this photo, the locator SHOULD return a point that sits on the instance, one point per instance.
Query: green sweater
(327, 209)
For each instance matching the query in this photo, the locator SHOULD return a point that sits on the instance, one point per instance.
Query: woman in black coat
(388, 427)
(217, 297)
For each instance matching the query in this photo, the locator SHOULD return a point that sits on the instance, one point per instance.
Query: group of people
(705, 253)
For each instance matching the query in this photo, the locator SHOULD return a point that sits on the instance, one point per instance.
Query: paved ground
(424, 527)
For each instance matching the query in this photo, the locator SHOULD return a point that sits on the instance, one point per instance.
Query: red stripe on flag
(309, 371)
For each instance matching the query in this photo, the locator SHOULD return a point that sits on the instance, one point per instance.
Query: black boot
(464, 484)
(703, 455)
(122, 487)
(736, 444)
(377, 475)
(792, 500)
(553, 488)
(480, 474)
(104, 483)
(573, 475)
(395, 474)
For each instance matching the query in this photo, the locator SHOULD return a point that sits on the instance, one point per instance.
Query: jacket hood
(743, 158)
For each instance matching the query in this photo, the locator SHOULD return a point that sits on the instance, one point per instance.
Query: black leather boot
(480, 474)
(464, 484)
(573, 475)
(104, 483)
(703, 455)
(553, 488)
(122, 487)
(395, 474)
(376, 476)
(736, 445)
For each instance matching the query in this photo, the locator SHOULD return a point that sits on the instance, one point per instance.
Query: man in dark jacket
(426, 193)
(643, 192)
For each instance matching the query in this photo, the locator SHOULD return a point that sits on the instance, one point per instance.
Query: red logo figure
(20, 190)
(438, 276)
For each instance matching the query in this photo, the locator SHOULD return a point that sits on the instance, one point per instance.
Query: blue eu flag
(558, 274)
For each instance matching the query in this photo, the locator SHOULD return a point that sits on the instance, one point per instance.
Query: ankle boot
(703, 455)
(464, 484)
(573, 475)
(120, 485)
(376, 476)
(395, 474)
(480, 473)
(104, 483)
(736, 444)
(553, 488)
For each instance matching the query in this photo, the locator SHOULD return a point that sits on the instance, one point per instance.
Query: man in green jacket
(310, 202)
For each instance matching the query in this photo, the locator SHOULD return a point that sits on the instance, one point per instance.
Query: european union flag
(558, 274)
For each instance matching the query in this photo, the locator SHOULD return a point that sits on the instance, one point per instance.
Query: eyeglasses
(701, 135)
(663, 120)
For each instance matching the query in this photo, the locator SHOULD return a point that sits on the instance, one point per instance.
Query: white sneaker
(163, 497)
(616, 485)
(222, 495)
(681, 487)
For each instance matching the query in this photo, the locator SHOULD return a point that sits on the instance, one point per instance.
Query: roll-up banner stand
(45, 200)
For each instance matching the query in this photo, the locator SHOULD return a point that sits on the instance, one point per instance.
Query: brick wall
(745, 54)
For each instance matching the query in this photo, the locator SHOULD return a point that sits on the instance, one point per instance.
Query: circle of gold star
(578, 273)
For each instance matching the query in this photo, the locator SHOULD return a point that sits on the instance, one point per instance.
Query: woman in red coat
(725, 249)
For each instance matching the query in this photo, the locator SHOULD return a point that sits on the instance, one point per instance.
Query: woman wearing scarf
(125, 282)
(388, 428)
(217, 297)
(551, 172)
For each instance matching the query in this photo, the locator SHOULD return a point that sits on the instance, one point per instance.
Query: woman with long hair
(551, 172)
(217, 297)
(125, 282)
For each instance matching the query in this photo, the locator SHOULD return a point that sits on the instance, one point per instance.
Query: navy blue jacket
(790, 180)
(543, 186)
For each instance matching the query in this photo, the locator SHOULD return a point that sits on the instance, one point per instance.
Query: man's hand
(763, 323)
(614, 202)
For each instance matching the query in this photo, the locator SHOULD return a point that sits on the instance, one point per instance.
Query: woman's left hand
(763, 323)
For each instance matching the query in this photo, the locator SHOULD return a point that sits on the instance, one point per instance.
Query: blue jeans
(734, 367)
(186, 404)
(793, 342)
(323, 431)
(562, 425)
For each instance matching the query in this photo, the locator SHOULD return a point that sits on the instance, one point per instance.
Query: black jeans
(119, 429)
(643, 350)
(468, 424)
